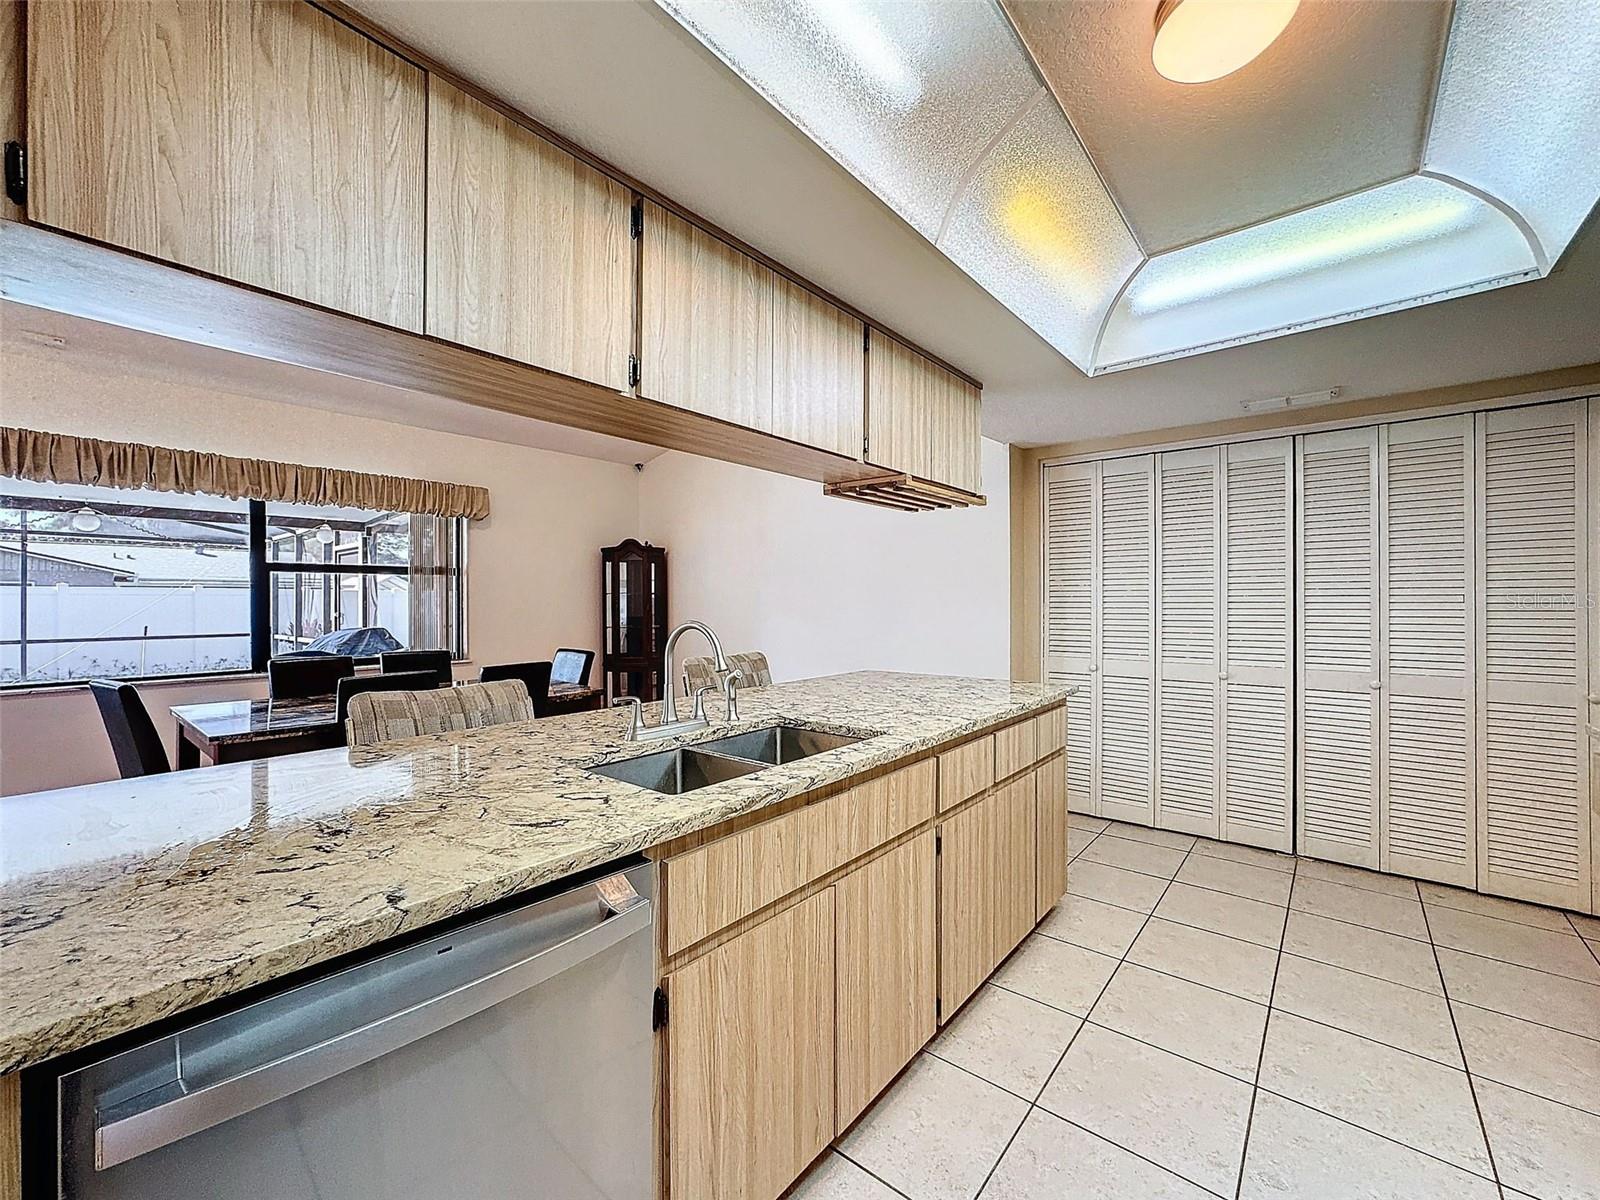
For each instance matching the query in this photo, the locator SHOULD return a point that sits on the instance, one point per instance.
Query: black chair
(393, 681)
(571, 666)
(133, 735)
(435, 662)
(534, 675)
(310, 675)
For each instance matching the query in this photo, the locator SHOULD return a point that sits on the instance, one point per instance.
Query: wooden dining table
(240, 730)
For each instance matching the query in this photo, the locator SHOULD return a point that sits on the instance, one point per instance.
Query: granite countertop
(123, 903)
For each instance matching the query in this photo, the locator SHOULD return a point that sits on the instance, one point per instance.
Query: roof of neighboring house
(148, 564)
(10, 554)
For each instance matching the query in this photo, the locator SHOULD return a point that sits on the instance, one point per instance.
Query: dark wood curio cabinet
(633, 598)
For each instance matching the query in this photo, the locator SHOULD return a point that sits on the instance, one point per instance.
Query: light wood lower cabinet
(266, 143)
(887, 969)
(750, 1058)
(987, 881)
(1050, 797)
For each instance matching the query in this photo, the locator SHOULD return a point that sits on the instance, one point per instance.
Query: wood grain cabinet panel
(955, 452)
(921, 419)
(529, 250)
(750, 1058)
(1050, 798)
(1050, 731)
(819, 371)
(1016, 747)
(706, 323)
(13, 50)
(1014, 872)
(886, 971)
(711, 887)
(965, 771)
(263, 142)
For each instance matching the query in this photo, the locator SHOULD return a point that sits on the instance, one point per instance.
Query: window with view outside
(102, 582)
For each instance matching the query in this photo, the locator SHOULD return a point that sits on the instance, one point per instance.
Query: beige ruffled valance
(63, 458)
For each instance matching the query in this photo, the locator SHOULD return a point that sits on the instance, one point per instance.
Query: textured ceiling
(627, 81)
(1338, 103)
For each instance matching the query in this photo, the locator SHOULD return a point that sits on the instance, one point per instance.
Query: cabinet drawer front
(750, 1058)
(712, 887)
(1050, 731)
(965, 771)
(1015, 748)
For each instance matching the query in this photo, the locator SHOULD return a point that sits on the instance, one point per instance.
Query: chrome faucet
(669, 723)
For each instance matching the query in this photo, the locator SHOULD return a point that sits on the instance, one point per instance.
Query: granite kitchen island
(124, 903)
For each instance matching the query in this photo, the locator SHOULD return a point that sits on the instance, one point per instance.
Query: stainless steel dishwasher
(510, 1057)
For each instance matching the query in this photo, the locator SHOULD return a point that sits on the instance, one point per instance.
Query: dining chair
(310, 675)
(134, 740)
(535, 675)
(754, 671)
(435, 662)
(387, 716)
(571, 666)
(352, 686)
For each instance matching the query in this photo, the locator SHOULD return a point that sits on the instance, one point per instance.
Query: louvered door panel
(1594, 652)
(1427, 778)
(1256, 744)
(1533, 548)
(1187, 656)
(1125, 692)
(1338, 645)
(1071, 598)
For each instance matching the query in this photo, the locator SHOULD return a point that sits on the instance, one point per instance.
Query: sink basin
(778, 744)
(674, 772)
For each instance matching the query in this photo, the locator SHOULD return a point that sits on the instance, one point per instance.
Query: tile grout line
(1466, 1065)
(1088, 1012)
(864, 1171)
(1261, 1055)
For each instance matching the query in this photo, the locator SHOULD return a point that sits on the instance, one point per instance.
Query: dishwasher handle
(121, 1138)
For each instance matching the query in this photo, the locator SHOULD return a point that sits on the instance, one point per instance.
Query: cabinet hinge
(658, 1010)
(938, 842)
(866, 338)
(636, 220)
(633, 370)
(16, 173)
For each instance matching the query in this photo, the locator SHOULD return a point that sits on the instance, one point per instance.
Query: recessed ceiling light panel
(1197, 41)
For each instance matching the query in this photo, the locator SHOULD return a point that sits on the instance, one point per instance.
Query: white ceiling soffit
(937, 107)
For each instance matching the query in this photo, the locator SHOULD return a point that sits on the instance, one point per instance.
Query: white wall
(824, 585)
(532, 574)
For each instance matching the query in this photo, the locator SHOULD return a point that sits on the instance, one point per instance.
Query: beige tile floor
(1203, 1020)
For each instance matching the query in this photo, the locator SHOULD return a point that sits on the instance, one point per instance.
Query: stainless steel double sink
(686, 768)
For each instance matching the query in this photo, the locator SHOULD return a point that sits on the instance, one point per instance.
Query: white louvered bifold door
(1187, 658)
(1337, 610)
(1071, 594)
(1427, 789)
(1594, 652)
(1256, 746)
(1534, 819)
(1125, 681)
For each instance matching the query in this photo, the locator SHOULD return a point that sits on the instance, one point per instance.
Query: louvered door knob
(1376, 685)
(1223, 675)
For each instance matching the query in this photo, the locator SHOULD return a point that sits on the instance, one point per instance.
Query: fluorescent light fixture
(853, 29)
(1201, 40)
(1240, 261)
(1298, 400)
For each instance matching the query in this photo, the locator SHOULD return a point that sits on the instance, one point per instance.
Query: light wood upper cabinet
(750, 1058)
(706, 316)
(263, 142)
(886, 971)
(12, 51)
(819, 371)
(529, 250)
(921, 419)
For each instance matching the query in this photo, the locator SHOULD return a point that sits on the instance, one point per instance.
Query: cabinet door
(1339, 623)
(899, 408)
(1427, 790)
(13, 123)
(1125, 679)
(1257, 743)
(987, 880)
(819, 371)
(529, 254)
(1188, 659)
(1534, 814)
(750, 1058)
(887, 971)
(1071, 614)
(266, 143)
(706, 323)
(955, 456)
(1050, 798)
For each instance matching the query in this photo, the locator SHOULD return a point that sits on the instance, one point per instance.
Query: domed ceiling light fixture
(1201, 40)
